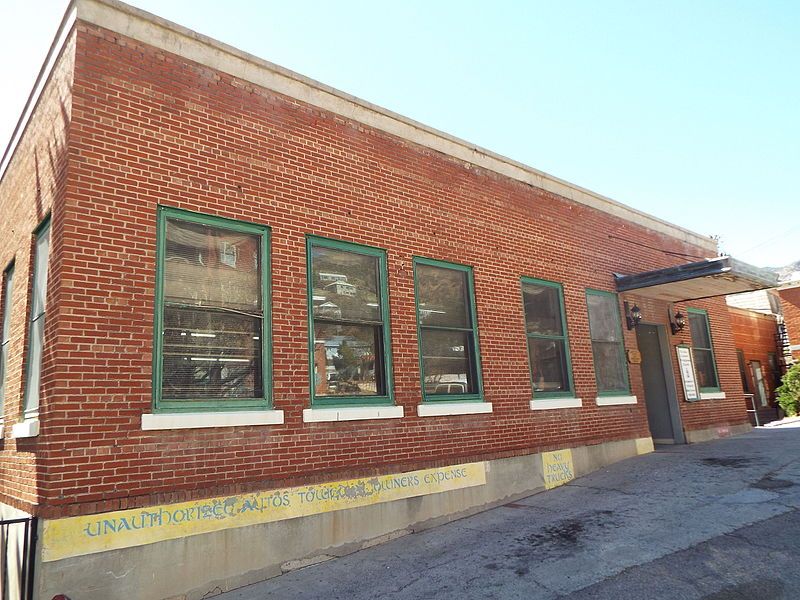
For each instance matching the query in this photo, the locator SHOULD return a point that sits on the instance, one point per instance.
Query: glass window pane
(345, 360)
(442, 297)
(210, 266)
(5, 332)
(34, 366)
(345, 285)
(603, 318)
(609, 367)
(3, 358)
(704, 365)
(447, 362)
(39, 297)
(7, 290)
(548, 364)
(211, 355)
(542, 309)
(699, 327)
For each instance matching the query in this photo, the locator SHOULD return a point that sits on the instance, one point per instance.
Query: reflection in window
(447, 329)
(607, 345)
(348, 323)
(547, 337)
(212, 312)
(5, 330)
(33, 376)
(702, 350)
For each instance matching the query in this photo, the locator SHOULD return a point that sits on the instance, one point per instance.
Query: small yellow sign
(77, 536)
(557, 468)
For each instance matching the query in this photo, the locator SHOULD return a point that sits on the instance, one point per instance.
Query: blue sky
(689, 111)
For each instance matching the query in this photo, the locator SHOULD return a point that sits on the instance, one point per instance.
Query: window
(212, 313)
(348, 324)
(546, 331)
(703, 351)
(447, 330)
(742, 374)
(607, 346)
(758, 381)
(36, 332)
(5, 331)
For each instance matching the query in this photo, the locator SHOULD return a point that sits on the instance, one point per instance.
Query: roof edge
(42, 79)
(177, 39)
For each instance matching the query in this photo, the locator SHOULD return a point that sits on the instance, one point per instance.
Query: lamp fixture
(633, 315)
(677, 320)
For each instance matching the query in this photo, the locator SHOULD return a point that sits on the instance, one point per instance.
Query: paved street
(712, 521)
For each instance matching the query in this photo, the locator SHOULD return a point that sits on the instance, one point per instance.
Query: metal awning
(693, 281)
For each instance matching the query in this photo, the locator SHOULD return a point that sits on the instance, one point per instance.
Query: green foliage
(789, 392)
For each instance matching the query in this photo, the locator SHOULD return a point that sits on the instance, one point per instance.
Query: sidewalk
(782, 422)
(712, 521)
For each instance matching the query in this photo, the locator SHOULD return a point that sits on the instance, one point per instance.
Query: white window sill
(554, 403)
(2, 430)
(351, 413)
(26, 429)
(444, 409)
(712, 396)
(615, 400)
(151, 422)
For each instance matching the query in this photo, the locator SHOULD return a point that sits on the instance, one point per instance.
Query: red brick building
(790, 307)
(756, 337)
(250, 319)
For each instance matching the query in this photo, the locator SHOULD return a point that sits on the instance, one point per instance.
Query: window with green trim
(212, 313)
(33, 369)
(608, 349)
(703, 350)
(348, 323)
(5, 331)
(447, 330)
(546, 332)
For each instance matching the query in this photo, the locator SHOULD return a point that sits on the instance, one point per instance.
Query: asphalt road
(711, 521)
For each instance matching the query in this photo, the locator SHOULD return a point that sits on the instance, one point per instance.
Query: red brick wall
(32, 186)
(790, 306)
(150, 128)
(755, 335)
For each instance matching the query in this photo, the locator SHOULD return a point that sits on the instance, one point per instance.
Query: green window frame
(256, 322)
(5, 330)
(33, 361)
(554, 339)
(473, 386)
(598, 342)
(373, 326)
(702, 352)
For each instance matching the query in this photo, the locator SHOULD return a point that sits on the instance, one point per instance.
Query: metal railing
(754, 410)
(18, 545)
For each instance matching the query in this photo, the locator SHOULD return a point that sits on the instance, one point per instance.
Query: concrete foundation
(716, 432)
(199, 566)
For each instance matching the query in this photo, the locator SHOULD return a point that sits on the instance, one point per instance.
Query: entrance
(660, 395)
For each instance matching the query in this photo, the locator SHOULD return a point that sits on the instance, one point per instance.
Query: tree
(789, 392)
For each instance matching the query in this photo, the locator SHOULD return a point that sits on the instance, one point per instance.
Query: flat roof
(176, 39)
(697, 280)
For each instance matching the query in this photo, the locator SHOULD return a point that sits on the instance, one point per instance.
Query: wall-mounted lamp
(677, 320)
(632, 315)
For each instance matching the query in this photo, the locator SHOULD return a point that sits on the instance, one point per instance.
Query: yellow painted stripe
(77, 536)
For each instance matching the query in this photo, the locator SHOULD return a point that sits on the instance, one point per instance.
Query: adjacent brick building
(253, 319)
(790, 307)
(756, 337)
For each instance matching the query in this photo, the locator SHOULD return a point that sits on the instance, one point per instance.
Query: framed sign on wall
(688, 376)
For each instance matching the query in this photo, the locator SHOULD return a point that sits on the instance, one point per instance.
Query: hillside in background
(787, 273)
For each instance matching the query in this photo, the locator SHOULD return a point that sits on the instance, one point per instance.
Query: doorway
(758, 381)
(660, 394)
